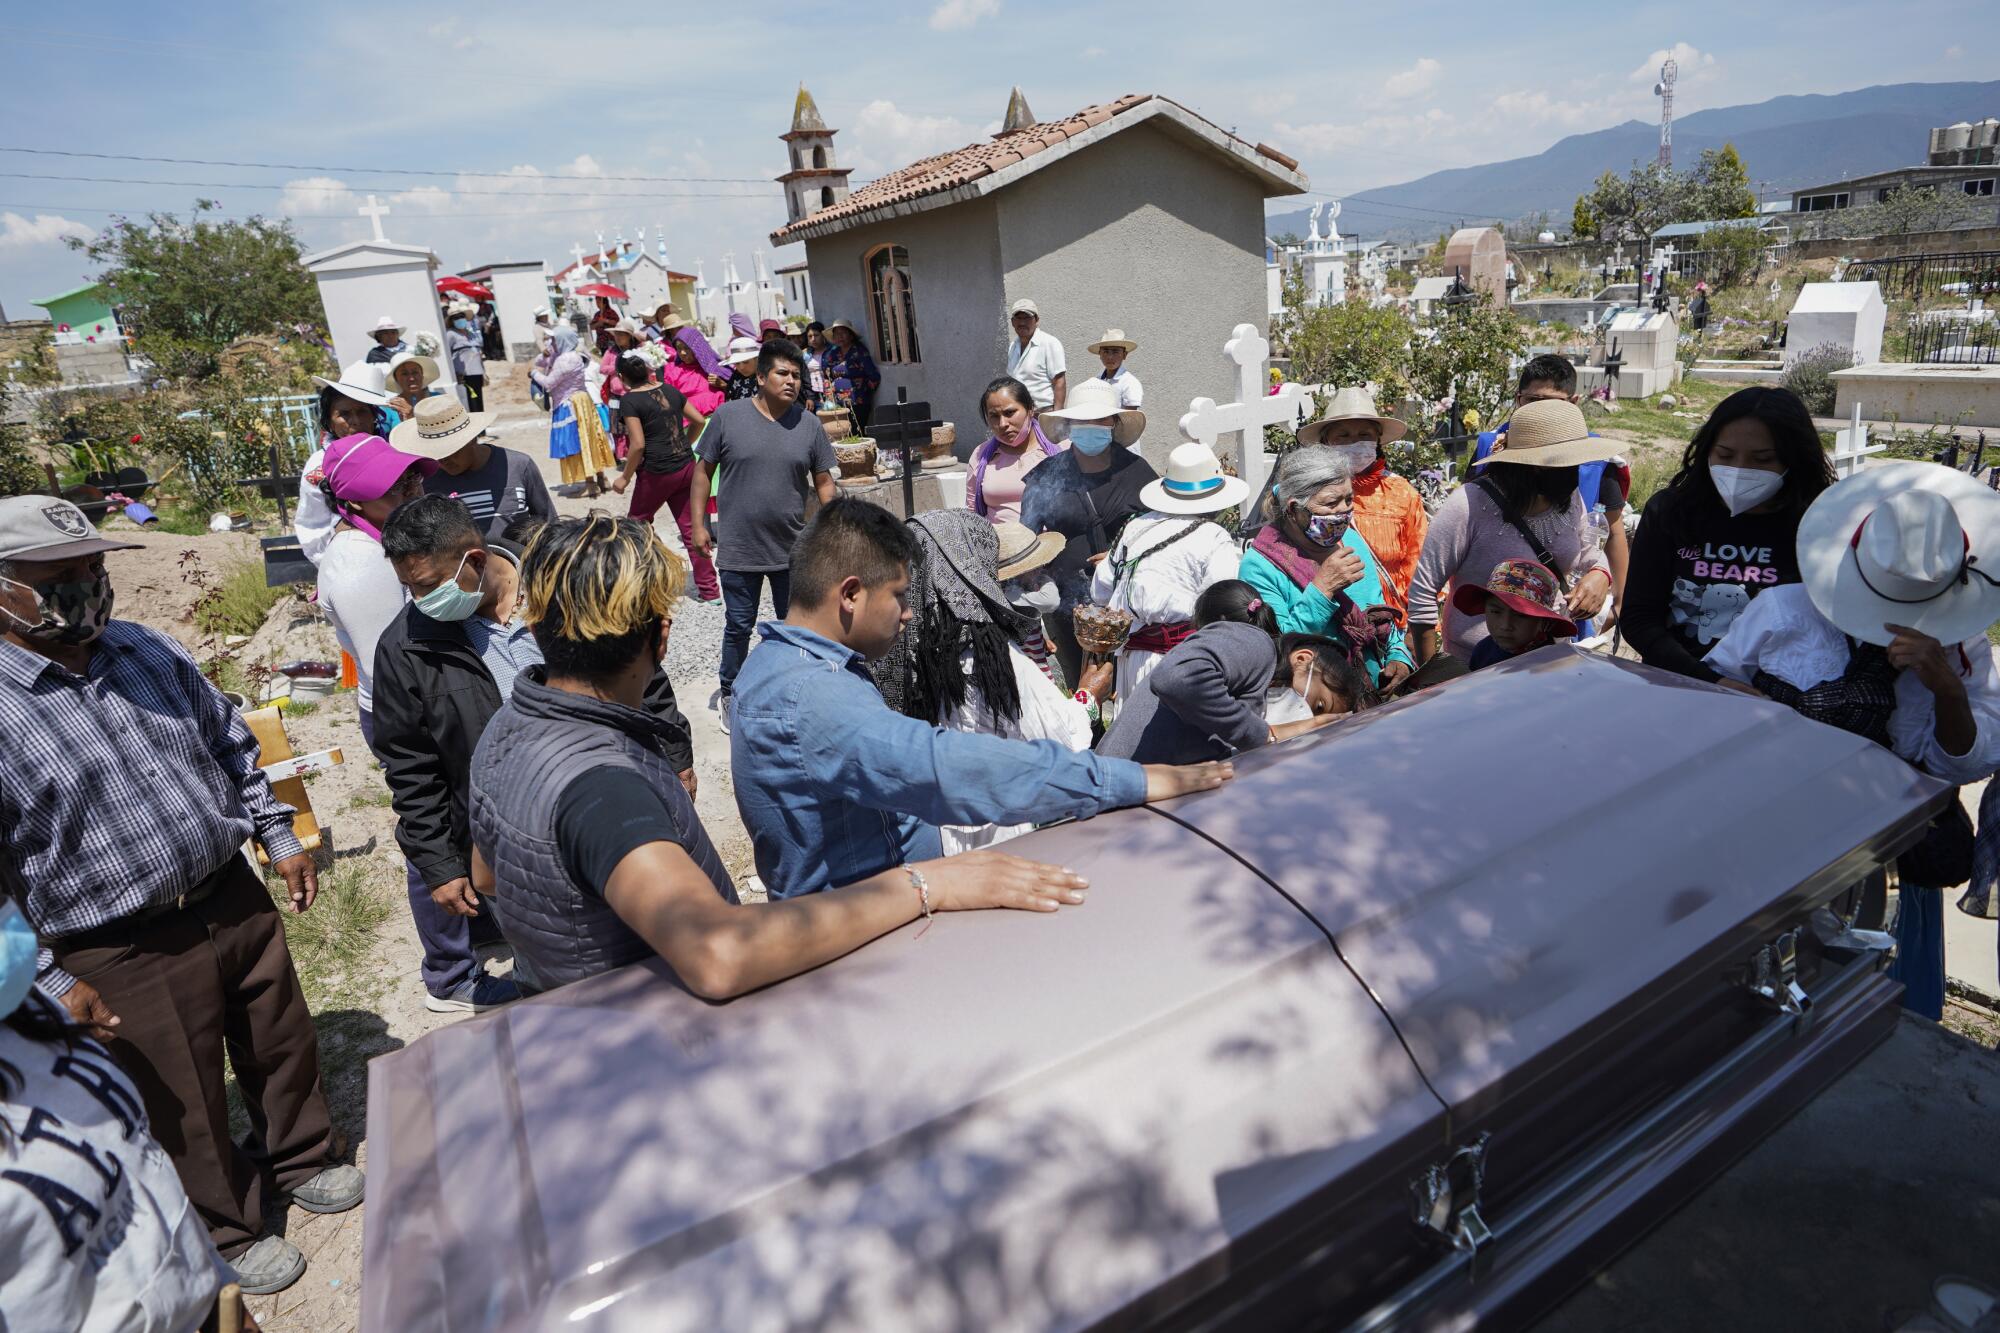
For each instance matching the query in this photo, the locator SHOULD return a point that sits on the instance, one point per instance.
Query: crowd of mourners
(1085, 633)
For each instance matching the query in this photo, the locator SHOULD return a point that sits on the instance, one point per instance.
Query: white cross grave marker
(1850, 446)
(1206, 420)
(375, 212)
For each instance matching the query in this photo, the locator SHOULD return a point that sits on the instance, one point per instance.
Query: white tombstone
(1847, 314)
(364, 280)
(1429, 291)
(644, 281)
(517, 287)
(770, 298)
(1207, 421)
(1647, 343)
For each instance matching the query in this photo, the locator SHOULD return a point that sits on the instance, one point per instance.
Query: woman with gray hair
(1315, 571)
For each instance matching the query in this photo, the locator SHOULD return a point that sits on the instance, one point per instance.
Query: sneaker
(476, 994)
(334, 1190)
(272, 1264)
(722, 713)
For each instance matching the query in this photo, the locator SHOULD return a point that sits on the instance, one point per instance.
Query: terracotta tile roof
(949, 171)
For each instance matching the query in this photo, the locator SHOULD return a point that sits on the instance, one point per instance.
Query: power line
(344, 217)
(249, 185)
(380, 171)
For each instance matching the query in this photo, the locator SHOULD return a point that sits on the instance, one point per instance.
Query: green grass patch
(293, 710)
(238, 601)
(372, 797)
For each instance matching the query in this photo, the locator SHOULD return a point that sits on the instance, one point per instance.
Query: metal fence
(1952, 337)
(1973, 273)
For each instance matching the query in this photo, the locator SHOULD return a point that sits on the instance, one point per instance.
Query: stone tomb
(1846, 314)
(1647, 342)
(1479, 255)
(364, 280)
(518, 288)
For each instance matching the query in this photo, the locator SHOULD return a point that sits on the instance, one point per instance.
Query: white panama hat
(362, 381)
(388, 324)
(1904, 544)
(1094, 400)
(1194, 483)
(389, 368)
(439, 428)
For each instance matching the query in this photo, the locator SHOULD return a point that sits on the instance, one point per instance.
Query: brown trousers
(214, 975)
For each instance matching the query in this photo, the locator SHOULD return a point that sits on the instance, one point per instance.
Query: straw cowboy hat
(362, 381)
(741, 350)
(671, 322)
(1094, 400)
(1904, 544)
(1194, 484)
(1527, 587)
(1022, 551)
(843, 324)
(388, 324)
(438, 428)
(1112, 338)
(630, 328)
(389, 368)
(1548, 433)
(1352, 405)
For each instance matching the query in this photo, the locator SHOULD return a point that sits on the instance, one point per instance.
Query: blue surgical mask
(17, 957)
(1091, 440)
(448, 601)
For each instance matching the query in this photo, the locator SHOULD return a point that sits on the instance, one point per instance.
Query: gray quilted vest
(535, 746)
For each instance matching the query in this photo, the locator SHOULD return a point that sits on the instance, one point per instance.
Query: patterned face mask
(73, 611)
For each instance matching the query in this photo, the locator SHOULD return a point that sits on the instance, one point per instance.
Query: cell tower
(1664, 90)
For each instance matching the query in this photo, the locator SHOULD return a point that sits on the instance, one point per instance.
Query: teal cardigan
(1307, 610)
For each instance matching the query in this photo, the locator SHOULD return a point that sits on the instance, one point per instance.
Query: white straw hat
(1095, 399)
(741, 350)
(429, 364)
(1112, 338)
(1904, 544)
(362, 381)
(1194, 483)
(1352, 405)
(388, 324)
(439, 428)
(1023, 551)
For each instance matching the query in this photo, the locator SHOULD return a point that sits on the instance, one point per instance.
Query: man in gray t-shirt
(495, 483)
(770, 454)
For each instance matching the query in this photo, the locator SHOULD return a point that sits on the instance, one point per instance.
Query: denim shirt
(835, 786)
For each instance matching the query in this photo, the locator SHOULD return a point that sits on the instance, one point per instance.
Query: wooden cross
(1206, 420)
(375, 212)
(1850, 446)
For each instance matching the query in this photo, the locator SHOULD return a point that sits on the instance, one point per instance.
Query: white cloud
(1416, 79)
(18, 233)
(315, 194)
(425, 198)
(1953, 52)
(962, 13)
(1272, 103)
(1693, 66)
(1326, 137)
(1522, 109)
(885, 137)
(1092, 52)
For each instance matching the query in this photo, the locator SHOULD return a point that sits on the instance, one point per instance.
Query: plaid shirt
(123, 788)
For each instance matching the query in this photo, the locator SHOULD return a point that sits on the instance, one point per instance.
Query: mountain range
(1786, 143)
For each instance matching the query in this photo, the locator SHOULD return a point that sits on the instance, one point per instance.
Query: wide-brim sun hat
(439, 427)
(362, 381)
(1194, 484)
(741, 350)
(672, 322)
(388, 324)
(630, 328)
(1023, 551)
(429, 366)
(842, 324)
(1352, 405)
(1112, 338)
(358, 468)
(1096, 399)
(1525, 586)
(1550, 432)
(1904, 544)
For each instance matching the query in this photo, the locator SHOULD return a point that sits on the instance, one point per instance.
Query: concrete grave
(1846, 314)
(1647, 342)
(517, 287)
(364, 280)
(1917, 396)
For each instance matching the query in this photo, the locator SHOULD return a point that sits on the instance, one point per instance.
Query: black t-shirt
(607, 813)
(1692, 574)
(658, 408)
(1089, 508)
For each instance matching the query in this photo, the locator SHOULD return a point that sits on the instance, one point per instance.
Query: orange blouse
(1390, 516)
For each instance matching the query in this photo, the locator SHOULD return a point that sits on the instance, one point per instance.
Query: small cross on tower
(1206, 420)
(375, 212)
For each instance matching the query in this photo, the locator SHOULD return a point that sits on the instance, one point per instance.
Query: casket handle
(1774, 973)
(1445, 1198)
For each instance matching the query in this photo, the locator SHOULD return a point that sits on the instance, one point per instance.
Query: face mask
(1326, 529)
(1091, 440)
(1360, 457)
(1042, 598)
(448, 601)
(1744, 488)
(72, 612)
(1284, 704)
(17, 957)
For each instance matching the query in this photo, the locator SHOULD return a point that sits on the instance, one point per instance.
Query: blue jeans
(447, 940)
(741, 593)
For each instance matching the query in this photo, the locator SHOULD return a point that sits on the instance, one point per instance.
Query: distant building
(1137, 214)
(1964, 158)
(798, 285)
(646, 279)
(82, 315)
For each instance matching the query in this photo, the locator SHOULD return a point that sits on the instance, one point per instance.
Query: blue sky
(555, 100)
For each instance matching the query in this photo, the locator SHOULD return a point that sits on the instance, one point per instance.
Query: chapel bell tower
(814, 181)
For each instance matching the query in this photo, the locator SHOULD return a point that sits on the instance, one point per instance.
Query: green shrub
(1811, 376)
(236, 602)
